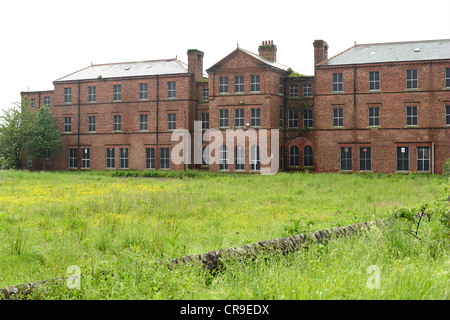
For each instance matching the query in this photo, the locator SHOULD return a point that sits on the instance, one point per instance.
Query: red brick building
(376, 108)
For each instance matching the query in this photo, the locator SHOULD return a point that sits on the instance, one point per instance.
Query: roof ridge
(129, 62)
(400, 42)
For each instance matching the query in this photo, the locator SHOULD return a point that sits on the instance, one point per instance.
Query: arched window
(254, 159)
(205, 156)
(293, 156)
(308, 156)
(239, 158)
(223, 158)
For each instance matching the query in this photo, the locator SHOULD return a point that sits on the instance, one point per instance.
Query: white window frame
(239, 84)
(239, 121)
(255, 117)
(143, 122)
(171, 90)
(67, 95)
(91, 124)
(143, 91)
(255, 83)
(117, 122)
(123, 158)
(307, 90)
(171, 121)
(117, 92)
(92, 94)
(223, 118)
(223, 85)
(110, 158)
(338, 82)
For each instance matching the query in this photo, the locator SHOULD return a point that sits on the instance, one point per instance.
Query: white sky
(41, 41)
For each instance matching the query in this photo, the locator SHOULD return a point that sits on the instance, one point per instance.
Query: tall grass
(115, 227)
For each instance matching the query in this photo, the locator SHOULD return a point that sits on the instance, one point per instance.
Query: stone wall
(213, 260)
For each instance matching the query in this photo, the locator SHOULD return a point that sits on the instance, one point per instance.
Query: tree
(44, 136)
(15, 127)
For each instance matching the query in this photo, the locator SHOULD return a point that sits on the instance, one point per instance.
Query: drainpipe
(432, 158)
(79, 155)
(157, 155)
(285, 153)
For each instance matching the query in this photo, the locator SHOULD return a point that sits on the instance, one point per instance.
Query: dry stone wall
(213, 260)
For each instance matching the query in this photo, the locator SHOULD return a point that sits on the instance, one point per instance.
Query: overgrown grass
(115, 227)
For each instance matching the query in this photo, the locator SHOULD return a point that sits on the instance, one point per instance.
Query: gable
(242, 59)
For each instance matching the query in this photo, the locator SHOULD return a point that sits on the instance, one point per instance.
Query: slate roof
(392, 52)
(128, 69)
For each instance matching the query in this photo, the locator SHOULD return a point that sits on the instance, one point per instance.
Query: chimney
(320, 51)
(195, 63)
(268, 50)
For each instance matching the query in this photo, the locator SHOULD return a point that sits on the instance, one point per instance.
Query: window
(143, 122)
(165, 161)
(110, 158)
(447, 115)
(307, 92)
(307, 156)
(143, 91)
(255, 120)
(48, 153)
(33, 103)
(374, 81)
(346, 158)
(67, 124)
(205, 120)
(239, 84)
(85, 158)
(293, 90)
(67, 95)
(255, 85)
(91, 124)
(308, 118)
(171, 121)
(447, 77)
(171, 90)
(365, 158)
(281, 86)
(239, 158)
(293, 119)
(281, 118)
(223, 85)
(411, 116)
(402, 158)
(205, 94)
(293, 156)
(374, 117)
(117, 123)
(205, 156)
(117, 92)
(255, 164)
(72, 158)
(239, 118)
(123, 158)
(423, 159)
(411, 79)
(338, 117)
(47, 102)
(223, 118)
(223, 158)
(92, 94)
(149, 158)
(29, 162)
(338, 82)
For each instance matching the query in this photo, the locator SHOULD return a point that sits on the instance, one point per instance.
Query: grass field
(114, 229)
